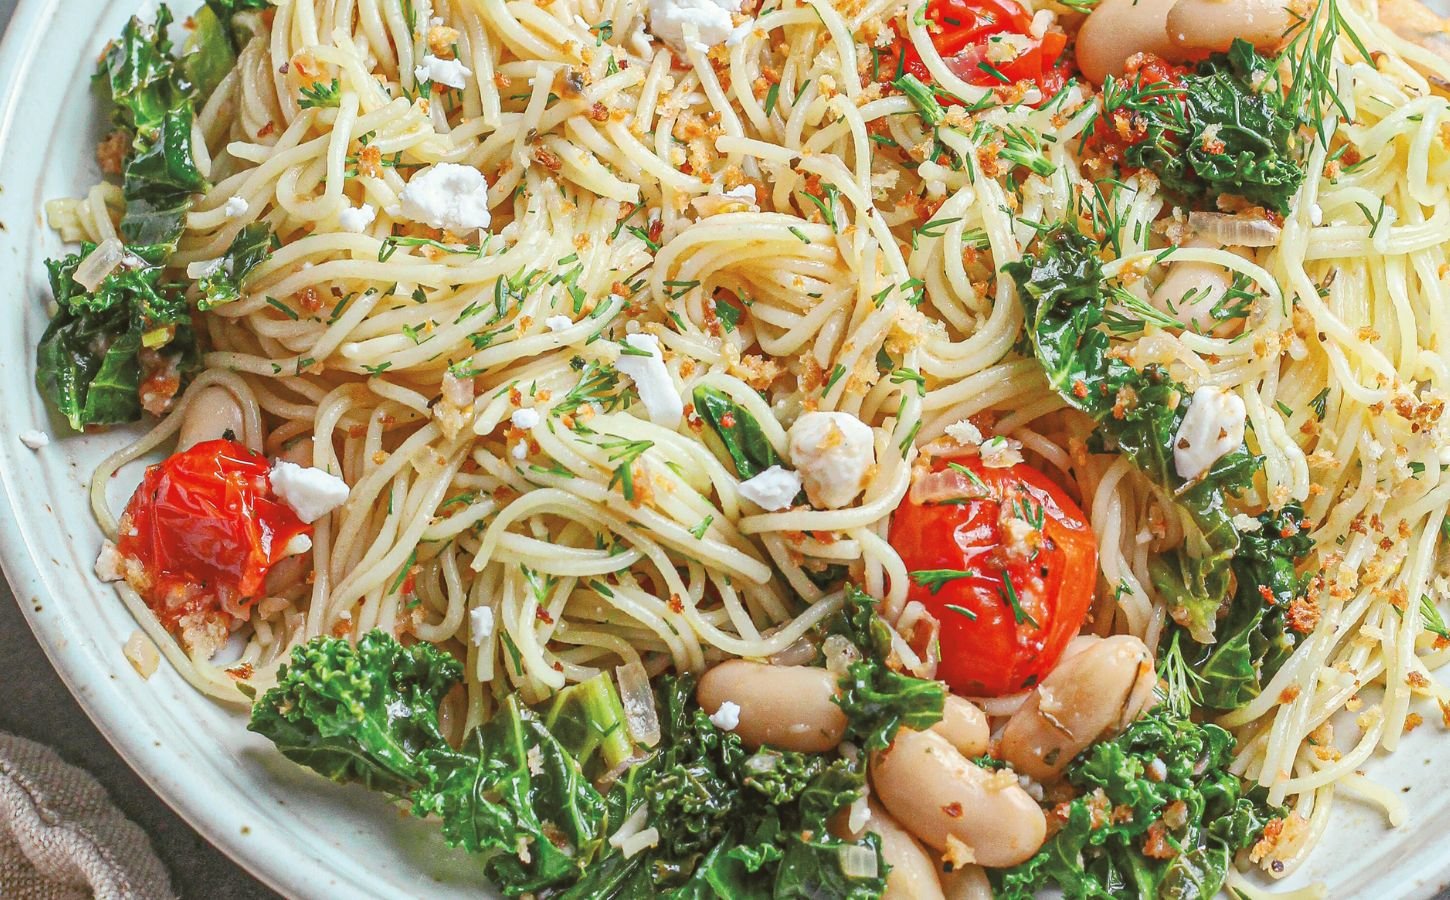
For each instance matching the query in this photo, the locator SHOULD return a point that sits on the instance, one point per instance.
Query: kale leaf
(1157, 814)
(742, 437)
(88, 362)
(877, 700)
(1231, 129)
(249, 249)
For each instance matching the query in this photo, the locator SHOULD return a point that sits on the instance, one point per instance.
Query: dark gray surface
(40, 708)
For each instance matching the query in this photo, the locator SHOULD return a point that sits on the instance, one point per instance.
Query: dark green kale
(1233, 629)
(877, 701)
(1157, 815)
(89, 360)
(1228, 128)
(521, 789)
(741, 436)
(215, 41)
(155, 107)
(249, 249)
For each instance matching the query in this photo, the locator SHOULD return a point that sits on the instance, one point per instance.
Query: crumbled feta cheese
(651, 378)
(1212, 427)
(236, 206)
(448, 196)
(712, 19)
(34, 439)
(312, 493)
(449, 72)
(1246, 523)
(521, 450)
(1000, 453)
(525, 419)
(1007, 46)
(109, 565)
(835, 454)
(480, 624)
(1316, 215)
(299, 545)
(357, 219)
(965, 433)
(773, 489)
(558, 323)
(727, 717)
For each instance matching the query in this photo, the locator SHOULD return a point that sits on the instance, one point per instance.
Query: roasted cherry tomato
(1120, 128)
(988, 43)
(1006, 562)
(202, 531)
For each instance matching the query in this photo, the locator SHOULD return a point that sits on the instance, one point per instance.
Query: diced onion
(631, 827)
(1234, 231)
(101, 262)
(858, 861)
(638, 699)
(799, 653)
(762, 761)
(948, 484)
(650, 837)
(840, 653)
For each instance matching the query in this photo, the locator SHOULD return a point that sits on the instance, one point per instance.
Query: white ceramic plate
(302, 835)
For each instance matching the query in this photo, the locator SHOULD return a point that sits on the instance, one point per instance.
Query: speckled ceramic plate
(304, 836)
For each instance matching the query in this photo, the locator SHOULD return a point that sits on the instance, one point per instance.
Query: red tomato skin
(962, 29)
(204, 524)
(994, 654)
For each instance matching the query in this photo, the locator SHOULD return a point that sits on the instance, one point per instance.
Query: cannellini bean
(1118, 29)
(1215, 24)
(790, 707)
(964, 726)
(1092, 695)
(966, 883)
(1191, 290)
(209, 415)
(943, 798)
(913, 873)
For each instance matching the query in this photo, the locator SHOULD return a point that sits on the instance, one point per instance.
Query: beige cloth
(62, 839)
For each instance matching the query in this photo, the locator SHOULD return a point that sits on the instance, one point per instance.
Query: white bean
(967, 883)
(1191, 290)
(1215, 24)
(208, 416)
(1092, 695)
(913, 873)
(790, 707)
(938, 794)
(964, 726)
(1118, 29)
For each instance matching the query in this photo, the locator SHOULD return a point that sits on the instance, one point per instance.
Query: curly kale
(1157, 814)
(877, 700)
(88, 362)
(1138, 413)
(521, 789)
(1227, 128)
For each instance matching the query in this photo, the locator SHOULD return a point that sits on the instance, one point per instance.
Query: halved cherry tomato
(1118, 129)
(984, 42)
(202, 530)
(1006, 562)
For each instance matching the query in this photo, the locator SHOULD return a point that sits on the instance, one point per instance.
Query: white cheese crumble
(448, 196)
(1246, 523)
(727, 717)
(651, 378)
(480, 624)
(835, 454)
(34, 439)
(558, 323)
(449, 72)
(773, 489)
(109, 565)
(357, 219)
(299, 545)
(712, 20)
(236, 206)
(1212, 427)
(312, 493)
(1316, 215)
(965, 433)
(525, 419)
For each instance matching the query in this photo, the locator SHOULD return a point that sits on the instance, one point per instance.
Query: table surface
(46, 712)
